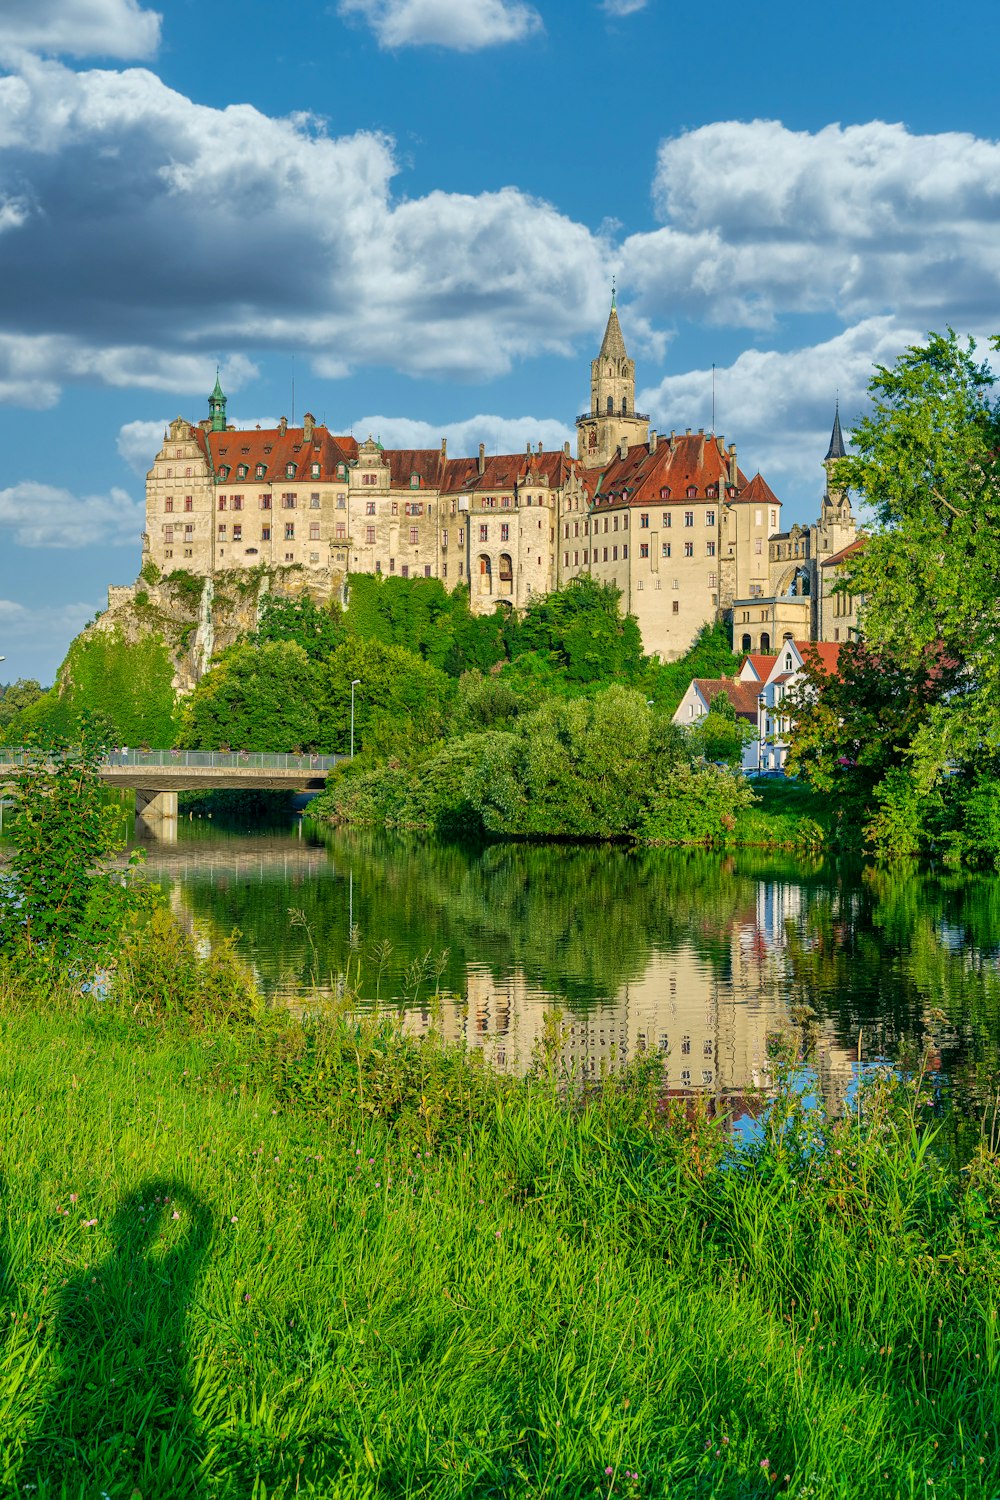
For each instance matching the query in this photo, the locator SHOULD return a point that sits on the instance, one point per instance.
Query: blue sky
(413, 210)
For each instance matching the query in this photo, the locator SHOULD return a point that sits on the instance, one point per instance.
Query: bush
(697, 805)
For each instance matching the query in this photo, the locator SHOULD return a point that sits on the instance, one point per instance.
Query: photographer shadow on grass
(118, 1418)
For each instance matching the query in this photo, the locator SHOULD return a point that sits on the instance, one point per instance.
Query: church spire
(837, 447)
(613, 346)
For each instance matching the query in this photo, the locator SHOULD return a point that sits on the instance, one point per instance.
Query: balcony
(633, 416)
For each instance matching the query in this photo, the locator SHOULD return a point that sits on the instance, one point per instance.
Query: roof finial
(613, 279)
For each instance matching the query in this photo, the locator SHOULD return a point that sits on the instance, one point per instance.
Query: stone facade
(672, 522)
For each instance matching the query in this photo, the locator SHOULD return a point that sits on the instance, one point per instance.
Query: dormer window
(289, 471)
(414, 481)
(692, 491)
(241, 471)
(788, 661)
(315, 471)
(341, 471)
(665, 492)
(267, 448)
(224, 471)
(244, 450)
(261, 470)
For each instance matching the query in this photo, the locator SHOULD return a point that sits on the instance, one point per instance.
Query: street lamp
(354, 684)
(761, 703)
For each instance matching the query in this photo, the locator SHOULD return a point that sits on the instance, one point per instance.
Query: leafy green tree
(317, 628)
(927, 463)
(15, 697)
(400, 703)
(581, 630)
(424, 617)
(720, 735)
(129, 683)
(711, 656)
(256, 698)
(57, 902)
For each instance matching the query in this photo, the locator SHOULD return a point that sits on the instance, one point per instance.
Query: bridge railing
(221, 760)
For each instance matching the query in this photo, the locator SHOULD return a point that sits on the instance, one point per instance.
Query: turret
(217, 407)
(612, 416)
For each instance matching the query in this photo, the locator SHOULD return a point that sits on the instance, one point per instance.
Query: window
(241, 471)
(395, 508)
(665, 549)
(289, 557)
(314, 501)
(341, 471)
(222, 531)
(187, 473)
(712, 581)
(576, 559)
(392, 565)
(461, 541)
(484, 533)
(676, 608)
(689, 518)
(710, 518)
(237, 532)
(369, 479)
(288, 502)
(315, 471)
(341, 502)
(676, 583)
(643, 549)
(265, 502)
(615, 525)
(265, 533)
(605, 554)
(414, 481)
(504, 532)
(774, 518)
(289, 531)
(625, 550)
(341, 530)
(565, 559)
(643, 521)
(665, 494)
(461, 569)
(405, 570)
(614, 554)
(666, 520)
(758, 517)
(414, 535)
(692, 491)
(314, 531)
(189, 502)
(168, 534)
(369, 507)
(444, 570)
(289, 471)
(427, 570)
(188, 532)
(689, 549)
(709, 549)
(259, 471)
(370, 536)
(168, 504)
(758, 545)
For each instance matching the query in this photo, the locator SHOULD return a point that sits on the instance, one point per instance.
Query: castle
(671, 521)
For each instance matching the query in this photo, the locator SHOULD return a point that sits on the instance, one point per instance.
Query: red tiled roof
(849, 551)
(742, 695)
(505, 470)
(827, 653)
(275, 450)
(761, 664)
(758, 492)
(678, 464)
(403, 463)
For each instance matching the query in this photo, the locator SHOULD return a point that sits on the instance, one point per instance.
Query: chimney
(528, 450)
(283, 426)
(688, 433)
(482, 458)
(653, 440)
(623, 448)
(733, 472)
(307, 427)
(566, 449)
(444, 447)
(540, 448)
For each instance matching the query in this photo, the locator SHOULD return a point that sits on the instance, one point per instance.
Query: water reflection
(702, 957)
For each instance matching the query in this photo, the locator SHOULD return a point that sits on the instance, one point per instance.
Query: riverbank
(246, 1254)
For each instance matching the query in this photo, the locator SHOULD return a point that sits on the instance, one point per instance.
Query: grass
(789, 815)
(277, 1257)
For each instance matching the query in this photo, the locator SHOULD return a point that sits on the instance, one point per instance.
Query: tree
(720, 736)
(581, 630)
(256, 698)
(317, 628)
(928, 465)
(15, 697)
(400, 702)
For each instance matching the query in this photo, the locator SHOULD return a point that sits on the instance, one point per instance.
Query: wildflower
(765, 1463)
(609, 1470)
(73, 1197)
(90, 1223)
(233, 1219)
(175, 1214)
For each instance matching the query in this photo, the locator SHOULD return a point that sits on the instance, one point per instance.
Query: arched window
(624, 406)
(611, 406)
(765, 642)
(746, 643)
(665, 492)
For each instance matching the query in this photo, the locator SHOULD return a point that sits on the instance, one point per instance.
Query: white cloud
(203, 229)
(623, 7)
(779, 407)
(34, 637)
(762, 221)
(79, 28)
(42, 515)
(500, 434)
(463, 25)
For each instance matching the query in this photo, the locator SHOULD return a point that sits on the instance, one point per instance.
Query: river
(704, 957)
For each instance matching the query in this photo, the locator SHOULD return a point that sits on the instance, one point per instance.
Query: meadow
(249, 1254)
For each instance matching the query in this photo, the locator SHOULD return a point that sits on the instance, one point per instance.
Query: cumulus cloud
(139, 442)
(152, 232)
(761, 221)
(463, 25)
(35, 637)
(43, 515)
(499, 434)
(79, 28)
(779, 406)
(623, 7)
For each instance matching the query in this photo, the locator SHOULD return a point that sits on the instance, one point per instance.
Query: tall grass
(270, 1257)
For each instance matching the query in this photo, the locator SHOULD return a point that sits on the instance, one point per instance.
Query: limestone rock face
(200, 617)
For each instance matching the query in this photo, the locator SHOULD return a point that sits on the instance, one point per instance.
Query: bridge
(156, 776)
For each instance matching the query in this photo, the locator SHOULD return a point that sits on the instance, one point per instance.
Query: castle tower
(612, 418)
(836, 450)
(217, 407)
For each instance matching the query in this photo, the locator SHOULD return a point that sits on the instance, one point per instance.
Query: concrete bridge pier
(156, 814)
